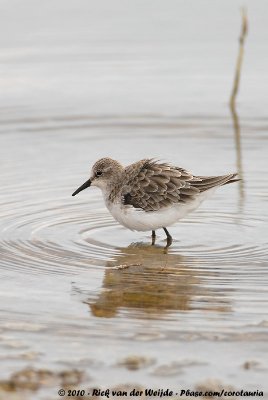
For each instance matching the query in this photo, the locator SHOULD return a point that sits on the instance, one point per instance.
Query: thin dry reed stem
(243, 34)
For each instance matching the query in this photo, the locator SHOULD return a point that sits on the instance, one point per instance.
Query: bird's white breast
(139, 220)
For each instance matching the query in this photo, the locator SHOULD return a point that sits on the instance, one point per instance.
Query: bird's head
(104, 173)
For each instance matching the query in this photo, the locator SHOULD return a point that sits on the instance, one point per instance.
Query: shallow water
(77, 289)
(65, 297)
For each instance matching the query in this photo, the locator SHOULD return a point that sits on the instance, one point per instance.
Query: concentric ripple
(62, 234)
(48, 237)
(212, 279)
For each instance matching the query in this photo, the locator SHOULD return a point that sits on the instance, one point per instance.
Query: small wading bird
(148, 194)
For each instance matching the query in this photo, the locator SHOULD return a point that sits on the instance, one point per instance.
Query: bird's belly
(139, 220)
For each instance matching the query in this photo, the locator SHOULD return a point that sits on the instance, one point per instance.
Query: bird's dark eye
(98, 173)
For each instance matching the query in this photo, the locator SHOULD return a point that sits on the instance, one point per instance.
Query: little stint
(149, 194)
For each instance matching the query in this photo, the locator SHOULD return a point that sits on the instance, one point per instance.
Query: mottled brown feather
(151, 185)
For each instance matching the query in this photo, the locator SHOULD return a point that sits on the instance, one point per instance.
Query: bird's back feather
(151, 185)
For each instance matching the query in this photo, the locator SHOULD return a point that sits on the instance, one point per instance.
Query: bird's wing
(150, 185)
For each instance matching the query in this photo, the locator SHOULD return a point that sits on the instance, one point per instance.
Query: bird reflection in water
(150, 283)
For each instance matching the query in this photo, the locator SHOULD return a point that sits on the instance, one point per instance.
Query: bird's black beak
(82, 187)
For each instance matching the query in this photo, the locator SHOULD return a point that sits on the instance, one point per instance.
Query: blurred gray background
(137, 57)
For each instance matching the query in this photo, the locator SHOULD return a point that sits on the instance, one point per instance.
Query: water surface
(80, 291)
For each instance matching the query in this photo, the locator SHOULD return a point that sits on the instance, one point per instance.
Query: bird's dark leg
(153, 237)
(169, 237)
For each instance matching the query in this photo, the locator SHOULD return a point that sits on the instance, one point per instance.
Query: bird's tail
(204, 183)
(233, 179)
